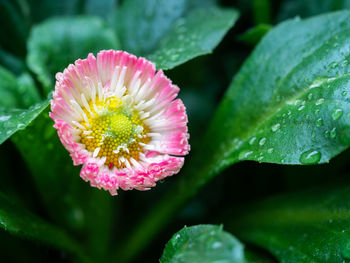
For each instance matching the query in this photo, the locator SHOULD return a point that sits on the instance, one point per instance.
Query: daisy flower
(120, 119)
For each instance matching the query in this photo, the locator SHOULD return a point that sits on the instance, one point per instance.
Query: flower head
(119, 118)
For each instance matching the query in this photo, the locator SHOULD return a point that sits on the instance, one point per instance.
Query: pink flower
(119, 118)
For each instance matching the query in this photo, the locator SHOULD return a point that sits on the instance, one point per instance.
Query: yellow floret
(115, 131)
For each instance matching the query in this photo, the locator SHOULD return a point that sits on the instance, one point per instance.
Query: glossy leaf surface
(203, 244)
(58, 42)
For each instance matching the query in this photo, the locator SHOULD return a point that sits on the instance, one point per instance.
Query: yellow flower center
(113, 130)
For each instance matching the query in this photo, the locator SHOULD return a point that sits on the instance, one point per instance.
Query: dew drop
(244, 154)
(319, 122)
(333, 133)
(270, 150)
(216, 245)
(262, 141)
(310, 157)
(174, 57)
(319, 101)
(21, 126)
(5, 118)
(344, 63)
(275, 127)
(333, 65)
(326, 134)
(344, 93)
(337, 113)
(252, 140)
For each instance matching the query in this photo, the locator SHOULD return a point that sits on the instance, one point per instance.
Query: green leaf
(16, 92)
(288, 107)
(58, 42)
(255, 34)
(13, 120)
(69, 200)
(141, 24)
(204, 244)
(172, 32)
(306, 8)
(308, 226)
(8, 89)
(196, 34)
(21, 222)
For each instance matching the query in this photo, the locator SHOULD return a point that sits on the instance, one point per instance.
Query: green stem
(161, 214)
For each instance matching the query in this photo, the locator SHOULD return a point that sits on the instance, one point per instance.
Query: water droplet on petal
(337, 113)
(310, 157)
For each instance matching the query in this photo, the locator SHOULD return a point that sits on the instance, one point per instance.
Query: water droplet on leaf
(333, 133)
(337, 113)
(319, 101)
(21, 126)
(310, 157)
(275, 127)
(262, 141)
(252, 140)
(244, 154)
(319, 122)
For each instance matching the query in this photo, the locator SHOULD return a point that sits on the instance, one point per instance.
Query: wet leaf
(13, 120)
(288, 107)
(196, 34)
(203, 244)
(58, 42)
